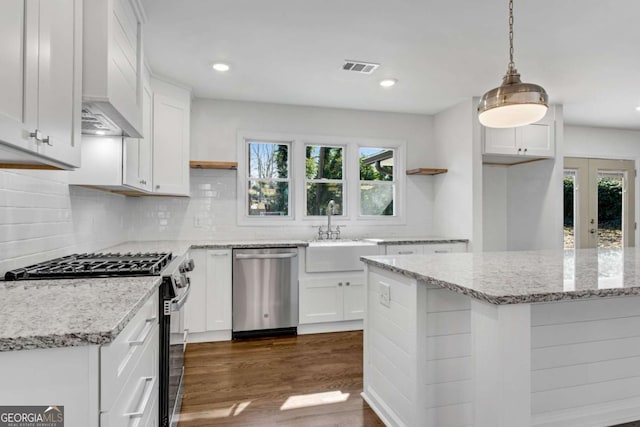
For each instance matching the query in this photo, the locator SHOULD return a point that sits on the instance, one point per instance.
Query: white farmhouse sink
(338, 255)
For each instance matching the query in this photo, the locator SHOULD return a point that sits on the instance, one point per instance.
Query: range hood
(101, 118)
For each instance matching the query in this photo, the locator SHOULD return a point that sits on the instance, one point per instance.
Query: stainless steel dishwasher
(265, 292)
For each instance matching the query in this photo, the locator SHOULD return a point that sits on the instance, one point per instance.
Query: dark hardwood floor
(309, 380)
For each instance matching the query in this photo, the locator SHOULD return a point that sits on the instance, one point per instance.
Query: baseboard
(321, 328)
(209, 336)
(598, 415)
(381, 410)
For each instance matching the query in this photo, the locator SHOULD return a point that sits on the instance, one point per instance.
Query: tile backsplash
(210, 214)
(41, 217)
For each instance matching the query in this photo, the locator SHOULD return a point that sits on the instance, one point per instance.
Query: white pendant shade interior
(513, 103)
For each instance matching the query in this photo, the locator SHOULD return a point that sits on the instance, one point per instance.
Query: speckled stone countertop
(247, 244)
(526, 276)
(416, 240)
(65, 313)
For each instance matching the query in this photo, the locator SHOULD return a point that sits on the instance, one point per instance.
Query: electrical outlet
(385, 294)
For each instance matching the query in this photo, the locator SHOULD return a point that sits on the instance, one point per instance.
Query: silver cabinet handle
(340, 284)
(441, 252)
(405, 252)
(157, 187)
(146, 384)
(525, 150)
(592, 231)
(36, 134)
(148, 327)
(220, 254)
(347, 283)
(266, 256)
(46, 141)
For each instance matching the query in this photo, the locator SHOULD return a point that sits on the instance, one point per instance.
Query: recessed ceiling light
(388, 82)
(219, 66)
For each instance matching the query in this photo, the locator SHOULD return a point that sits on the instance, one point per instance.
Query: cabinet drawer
(119, 358)
(138, 402)
(445, 248)
(404, 249)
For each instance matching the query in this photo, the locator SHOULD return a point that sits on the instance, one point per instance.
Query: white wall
(456, 211)
(522, 204)
(211, 211)
(41, 218)
(494, 214)
(605, 143)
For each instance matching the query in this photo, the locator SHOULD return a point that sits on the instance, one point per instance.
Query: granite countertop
(416, 240)
(65, 313)
(524, 276)
(247, 244)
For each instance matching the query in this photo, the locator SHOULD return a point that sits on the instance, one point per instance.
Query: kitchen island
(503, 339)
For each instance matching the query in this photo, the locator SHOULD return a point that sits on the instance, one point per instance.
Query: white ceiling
(585, 53)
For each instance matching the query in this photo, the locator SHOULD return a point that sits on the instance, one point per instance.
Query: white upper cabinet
(113, 63)
(533, 141)
(171, 128)
(138, 151)
(40, 82)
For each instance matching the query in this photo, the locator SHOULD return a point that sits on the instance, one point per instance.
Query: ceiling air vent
(359, 66)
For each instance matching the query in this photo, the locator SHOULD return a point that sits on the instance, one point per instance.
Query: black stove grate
(94, 265)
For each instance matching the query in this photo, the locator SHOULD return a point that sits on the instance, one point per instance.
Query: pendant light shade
(513, 103)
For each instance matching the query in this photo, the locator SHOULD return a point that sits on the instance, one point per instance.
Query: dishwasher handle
(267, 256)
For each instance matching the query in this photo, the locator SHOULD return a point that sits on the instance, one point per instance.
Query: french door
(599, 203)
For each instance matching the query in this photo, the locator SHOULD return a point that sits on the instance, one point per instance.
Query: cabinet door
(500, 141)
(18, 72)
(57, 92)
(321, 300)
(170, 145)
(195, 315)
(354, 299)
(138, 153)
(219, 290)
(404, 249)
(537, 140)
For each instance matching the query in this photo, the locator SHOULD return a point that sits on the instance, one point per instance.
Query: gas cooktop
(94, 265)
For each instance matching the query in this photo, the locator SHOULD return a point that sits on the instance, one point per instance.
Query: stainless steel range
(174, 292)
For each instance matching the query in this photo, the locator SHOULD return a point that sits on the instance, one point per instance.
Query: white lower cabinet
(111, 385)
(433, 248)
(208, 311)
(129, 368)
(331, 298)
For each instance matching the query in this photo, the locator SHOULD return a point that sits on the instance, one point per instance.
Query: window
(268, 179)
(324, 172)
(377, 181)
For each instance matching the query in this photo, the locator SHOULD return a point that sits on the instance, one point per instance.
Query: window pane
(376, 199)
(376, 164)
(268, 160)
(319, 195)
(268, 198)
(323, 162)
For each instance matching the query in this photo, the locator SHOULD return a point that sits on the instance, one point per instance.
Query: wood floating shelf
(426, 171)
(199, 164)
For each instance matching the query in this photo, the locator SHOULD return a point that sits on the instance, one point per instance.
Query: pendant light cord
(512, 65)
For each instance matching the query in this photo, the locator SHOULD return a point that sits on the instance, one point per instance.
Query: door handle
(266, 256)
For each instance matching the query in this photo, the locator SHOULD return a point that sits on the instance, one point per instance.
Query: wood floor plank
(309, 380)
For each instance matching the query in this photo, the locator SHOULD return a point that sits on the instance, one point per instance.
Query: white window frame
(343, 181)
(297, 190)
(244, 139)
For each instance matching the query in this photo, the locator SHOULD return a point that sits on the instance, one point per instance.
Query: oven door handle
(267, 256)
(177, 304)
